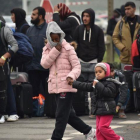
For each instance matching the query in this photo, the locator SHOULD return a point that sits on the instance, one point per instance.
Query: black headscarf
(20, 16)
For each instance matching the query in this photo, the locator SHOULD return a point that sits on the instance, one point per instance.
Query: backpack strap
(76, 19)
(120, 29)
(25, 24)
(2, 26)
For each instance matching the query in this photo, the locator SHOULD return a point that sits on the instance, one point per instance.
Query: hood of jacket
(20, 16)
(92, 16)
(54, 28)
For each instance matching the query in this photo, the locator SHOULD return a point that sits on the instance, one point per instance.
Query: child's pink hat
(105, 66)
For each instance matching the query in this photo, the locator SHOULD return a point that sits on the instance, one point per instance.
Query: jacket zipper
(106, 105)
(56, 78)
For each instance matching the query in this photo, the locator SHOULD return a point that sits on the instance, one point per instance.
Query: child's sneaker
(13, 118)
(121, 138)
(92, 116)
(2, 119)
(91, 135)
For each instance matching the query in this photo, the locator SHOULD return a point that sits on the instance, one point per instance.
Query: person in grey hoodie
(6, 38)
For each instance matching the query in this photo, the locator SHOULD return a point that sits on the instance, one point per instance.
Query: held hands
(58, 47)
(117, 108)
(69, 80)
(57, 9)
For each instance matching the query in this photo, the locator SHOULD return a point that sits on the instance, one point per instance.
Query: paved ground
(41, 129)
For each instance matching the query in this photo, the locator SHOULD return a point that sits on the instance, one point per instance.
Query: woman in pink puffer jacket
(61, 58)
(64, 66)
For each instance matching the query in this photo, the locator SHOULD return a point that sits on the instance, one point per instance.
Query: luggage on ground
(23, 95)
(38, 106)
(136, 90)
(128, 75)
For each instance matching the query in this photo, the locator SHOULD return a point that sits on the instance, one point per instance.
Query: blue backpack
(25, 47)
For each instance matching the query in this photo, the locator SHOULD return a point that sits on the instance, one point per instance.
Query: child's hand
(95, 82)
(69, 80)
(58, 47)
(117, 108)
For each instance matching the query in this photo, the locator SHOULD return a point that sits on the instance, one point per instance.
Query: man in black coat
(113, 21)
(111, 25)
(91, 47)
(66, 19)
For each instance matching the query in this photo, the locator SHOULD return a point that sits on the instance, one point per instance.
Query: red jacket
(135, 56)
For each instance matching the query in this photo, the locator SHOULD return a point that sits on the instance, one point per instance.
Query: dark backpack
(25, 47)
(25, 52)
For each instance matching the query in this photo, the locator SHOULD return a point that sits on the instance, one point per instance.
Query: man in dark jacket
(91, 47)
(37, 34)
(67, 20)
(113, 21)
(111, 25)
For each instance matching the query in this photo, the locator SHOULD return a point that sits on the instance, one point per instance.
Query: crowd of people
(71, 59)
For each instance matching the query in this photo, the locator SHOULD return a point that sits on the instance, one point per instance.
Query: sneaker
(2, 119)
(92, 116)
(121, 138)
(91, 135)
(13, 118)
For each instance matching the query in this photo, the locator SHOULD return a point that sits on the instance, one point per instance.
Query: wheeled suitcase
(24, 102)
(128, 76)
(136, 90)
(18, 77)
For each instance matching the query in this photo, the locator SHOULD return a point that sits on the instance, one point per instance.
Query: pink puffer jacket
(62, 65)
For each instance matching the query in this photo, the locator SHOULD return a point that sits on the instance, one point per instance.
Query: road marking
(65, 138)
(129, 122)
(116, 126)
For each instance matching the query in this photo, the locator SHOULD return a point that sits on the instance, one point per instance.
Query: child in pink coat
(60, 57)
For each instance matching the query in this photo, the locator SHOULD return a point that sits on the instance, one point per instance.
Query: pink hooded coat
(62, 65)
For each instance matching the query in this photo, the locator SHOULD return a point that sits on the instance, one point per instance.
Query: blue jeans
(11, 103)
(124, 105)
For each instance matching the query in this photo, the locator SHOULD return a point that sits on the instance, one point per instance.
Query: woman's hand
(2, 62)
(117, 108)
(58, 47)
(69, 80)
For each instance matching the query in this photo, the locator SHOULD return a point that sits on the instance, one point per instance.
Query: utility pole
(67, 2)
(24, 5)
(110, 8)
(110, 52)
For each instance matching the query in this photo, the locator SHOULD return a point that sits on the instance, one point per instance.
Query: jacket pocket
(49, 84)
(125, 55)
(64, 83)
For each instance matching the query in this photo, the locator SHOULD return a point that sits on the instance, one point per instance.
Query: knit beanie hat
(105, 66)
